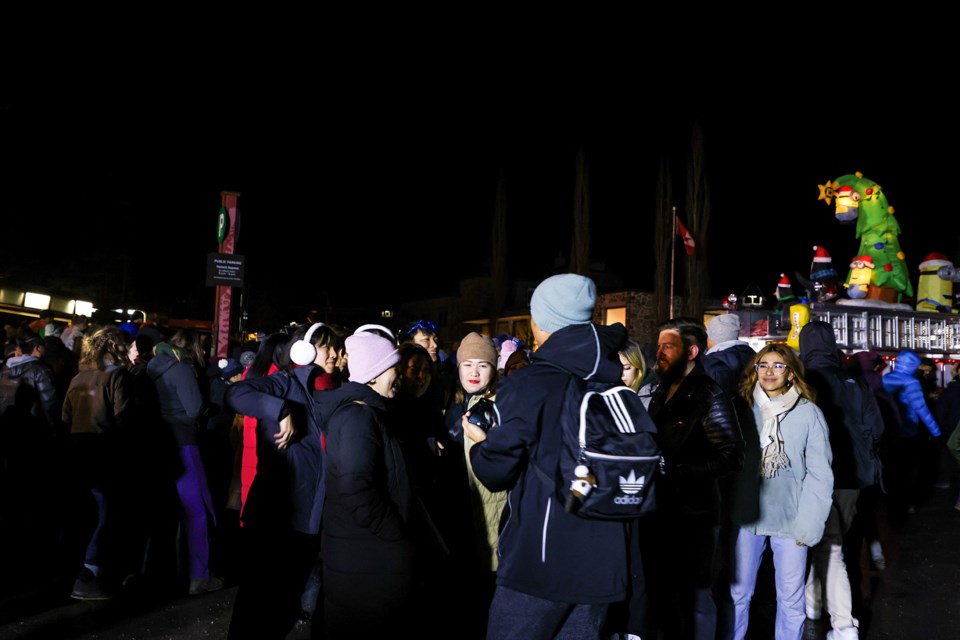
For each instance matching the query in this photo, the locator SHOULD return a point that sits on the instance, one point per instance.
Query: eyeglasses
(776, 368)
(422, 325)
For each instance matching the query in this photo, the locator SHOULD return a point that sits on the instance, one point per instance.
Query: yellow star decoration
(828, 191)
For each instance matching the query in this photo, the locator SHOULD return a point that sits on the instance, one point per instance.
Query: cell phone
(481, 414)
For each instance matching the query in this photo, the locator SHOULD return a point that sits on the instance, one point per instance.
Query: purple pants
(195, 502)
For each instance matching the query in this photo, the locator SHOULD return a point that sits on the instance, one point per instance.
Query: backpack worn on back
(609, 456)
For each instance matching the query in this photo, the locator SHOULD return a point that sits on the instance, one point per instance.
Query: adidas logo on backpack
(609, 456)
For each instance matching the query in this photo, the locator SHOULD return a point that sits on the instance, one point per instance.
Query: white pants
(828, 585)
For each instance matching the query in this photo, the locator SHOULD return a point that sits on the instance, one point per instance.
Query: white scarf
(773, 457)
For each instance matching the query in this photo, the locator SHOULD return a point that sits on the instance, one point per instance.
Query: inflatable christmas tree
(863, 200)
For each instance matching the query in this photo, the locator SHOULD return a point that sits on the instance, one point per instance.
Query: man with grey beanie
(727, 356)
(558, 573)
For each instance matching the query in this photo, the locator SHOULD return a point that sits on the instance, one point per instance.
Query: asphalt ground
(917, 595)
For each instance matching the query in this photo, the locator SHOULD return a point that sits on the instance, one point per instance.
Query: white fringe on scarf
(773, 457)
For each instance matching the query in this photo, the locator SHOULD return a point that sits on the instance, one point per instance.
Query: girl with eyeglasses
(782, 496)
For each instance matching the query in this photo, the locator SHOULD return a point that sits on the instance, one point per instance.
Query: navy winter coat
(288, 490)
(545, 551)
(179, 394)
(727, 365)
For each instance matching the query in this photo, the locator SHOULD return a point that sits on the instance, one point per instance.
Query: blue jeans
(515, 615)
(789, 563)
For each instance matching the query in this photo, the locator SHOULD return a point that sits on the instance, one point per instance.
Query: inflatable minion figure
(861, 270)
(933, 292)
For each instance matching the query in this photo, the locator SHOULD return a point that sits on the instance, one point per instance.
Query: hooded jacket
(848, 405)
(725, 363)
(179, 395)
(901, 384)
(545, 551)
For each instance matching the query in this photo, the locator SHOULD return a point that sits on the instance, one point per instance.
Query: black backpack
(609, 457)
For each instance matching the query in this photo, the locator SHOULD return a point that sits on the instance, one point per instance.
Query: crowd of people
(367, 481)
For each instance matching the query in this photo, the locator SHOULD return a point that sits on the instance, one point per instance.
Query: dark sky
(382, 188)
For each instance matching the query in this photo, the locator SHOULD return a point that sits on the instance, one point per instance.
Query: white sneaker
(876, 554)
(848, 633)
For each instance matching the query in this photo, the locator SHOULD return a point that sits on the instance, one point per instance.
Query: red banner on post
(225, 294)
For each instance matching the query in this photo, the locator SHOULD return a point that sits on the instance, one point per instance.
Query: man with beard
(701, 442)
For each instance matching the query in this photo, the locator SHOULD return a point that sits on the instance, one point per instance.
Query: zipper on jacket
(543, 538)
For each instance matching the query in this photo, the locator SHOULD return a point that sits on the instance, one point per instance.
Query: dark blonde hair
(793, 364)
(102, 347)
(632, 353)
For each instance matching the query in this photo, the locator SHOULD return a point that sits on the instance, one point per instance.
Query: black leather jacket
(701, 441)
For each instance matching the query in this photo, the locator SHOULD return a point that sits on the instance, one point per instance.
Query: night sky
(376, 191)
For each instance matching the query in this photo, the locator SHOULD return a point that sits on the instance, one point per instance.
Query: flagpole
(673, 253)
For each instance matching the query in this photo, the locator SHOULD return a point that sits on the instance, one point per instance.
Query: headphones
(301, 351)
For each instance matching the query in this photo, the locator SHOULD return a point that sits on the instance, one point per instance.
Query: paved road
(917, 596)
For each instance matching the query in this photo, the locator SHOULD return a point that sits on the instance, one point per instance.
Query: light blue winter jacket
(795, 503)
(902, 385)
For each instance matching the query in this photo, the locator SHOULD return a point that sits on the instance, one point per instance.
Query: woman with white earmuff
(281, 517)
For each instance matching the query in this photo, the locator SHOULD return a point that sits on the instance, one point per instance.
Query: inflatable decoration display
(862, 200)
(822, 285)
(861, 272)
(799, 316)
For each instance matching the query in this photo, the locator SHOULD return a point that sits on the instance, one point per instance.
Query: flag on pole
(688, 242)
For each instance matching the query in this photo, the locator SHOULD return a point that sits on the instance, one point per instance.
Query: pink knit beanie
(369, 355)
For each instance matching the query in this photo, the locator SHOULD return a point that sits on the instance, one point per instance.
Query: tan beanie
(477, 347)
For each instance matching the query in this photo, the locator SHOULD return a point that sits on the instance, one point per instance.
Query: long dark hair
(188, 349)
(273, 350)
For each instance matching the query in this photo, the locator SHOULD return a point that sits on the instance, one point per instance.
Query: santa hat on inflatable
(934, 261)
(822, 266)
(784, 289)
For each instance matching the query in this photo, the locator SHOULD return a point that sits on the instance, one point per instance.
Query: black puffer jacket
(701, 441)
(36, 395)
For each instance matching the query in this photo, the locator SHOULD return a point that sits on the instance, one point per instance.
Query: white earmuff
(301, 351)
